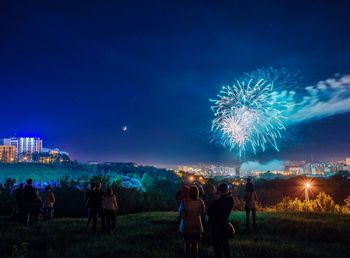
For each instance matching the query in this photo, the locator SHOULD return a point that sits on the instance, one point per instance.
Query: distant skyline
(131, 81)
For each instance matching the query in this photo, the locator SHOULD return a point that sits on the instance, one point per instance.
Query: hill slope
(155, 235)
(39, 172)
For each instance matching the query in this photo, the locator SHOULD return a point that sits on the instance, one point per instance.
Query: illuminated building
(208, 170)
(25, 145)
(29, 145)
(224, 171)
(49, 156)
(10, 142)
(347, 161)
(7, 153)
(294, 170)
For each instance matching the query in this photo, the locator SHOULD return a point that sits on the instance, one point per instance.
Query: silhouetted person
(250, 197)
(110, 208)
(91, 201)
(201, 195)
(30, 201)
(181, 194)
(100, 212)
(218, 214)
(192, 210)
(184, 195)
(212, 196)
(37, 208)
(201, 191)
(49, 201)
(19, 194)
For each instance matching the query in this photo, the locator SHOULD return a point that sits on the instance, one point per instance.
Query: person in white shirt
(110, 207)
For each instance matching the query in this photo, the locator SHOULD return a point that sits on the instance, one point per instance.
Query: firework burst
(253, 113)
(248, 115)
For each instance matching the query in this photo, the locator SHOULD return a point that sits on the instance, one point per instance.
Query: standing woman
(110, 207)
(193, 209)
(49, 201)
(250, 198)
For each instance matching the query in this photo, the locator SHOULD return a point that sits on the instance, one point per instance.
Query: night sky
(76, 72)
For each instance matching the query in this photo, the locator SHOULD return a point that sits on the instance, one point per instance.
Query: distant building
(11, 142)
(7, 153)
(208, 171)
(25, 145)
(223, 171)
(316, 168)
(347, 161)
(48, 156)
(347, 168)
(30, 145)
(294, 170)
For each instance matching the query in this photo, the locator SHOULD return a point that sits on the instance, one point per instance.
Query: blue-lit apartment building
(25, 146)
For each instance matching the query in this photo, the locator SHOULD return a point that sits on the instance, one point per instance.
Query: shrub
(322, 203)
(346, 207)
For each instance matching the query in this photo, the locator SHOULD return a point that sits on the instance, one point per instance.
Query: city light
(307, 188)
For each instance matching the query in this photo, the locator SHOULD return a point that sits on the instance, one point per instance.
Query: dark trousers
(247, 212)
(221, 246)
(110, 220)
(92, 217)
(47, 213)
(21, 213)
(101, 214)
(30, 215)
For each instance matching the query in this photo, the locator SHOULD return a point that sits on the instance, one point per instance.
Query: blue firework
(248, 115)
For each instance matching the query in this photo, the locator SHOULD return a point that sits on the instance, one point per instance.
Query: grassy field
(155, 235)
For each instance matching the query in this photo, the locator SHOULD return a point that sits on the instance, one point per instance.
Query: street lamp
(307, 187)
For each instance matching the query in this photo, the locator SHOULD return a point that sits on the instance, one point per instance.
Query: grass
(155, 234)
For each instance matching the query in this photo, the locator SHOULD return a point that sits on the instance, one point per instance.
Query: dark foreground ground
(155, 235)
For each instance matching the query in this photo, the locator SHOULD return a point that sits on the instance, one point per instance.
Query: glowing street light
(307, 187)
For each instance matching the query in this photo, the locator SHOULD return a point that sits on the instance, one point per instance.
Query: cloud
(326, 98)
